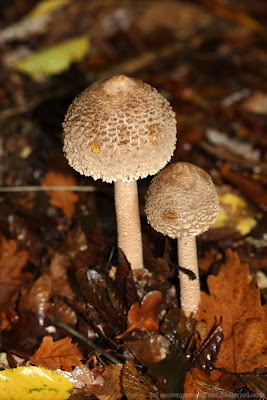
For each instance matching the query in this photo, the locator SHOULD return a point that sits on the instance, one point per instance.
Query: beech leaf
(207, 354)
(256, 383)
(57, 355)
(124, 281)
(33, 383)
(143, 318)
(135, 385)
(55, 59)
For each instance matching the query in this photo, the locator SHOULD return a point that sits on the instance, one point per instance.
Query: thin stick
(77, 334)
(48, 188)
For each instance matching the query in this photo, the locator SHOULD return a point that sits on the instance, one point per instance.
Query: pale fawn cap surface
(181, 201)
(119, 129)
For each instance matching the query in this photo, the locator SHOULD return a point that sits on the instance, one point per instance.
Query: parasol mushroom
(119, 130)
(182, 203)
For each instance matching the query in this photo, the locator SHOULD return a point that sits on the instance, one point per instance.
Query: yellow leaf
(47, 7)
(235, 213)
(33, 383)
(55, 59)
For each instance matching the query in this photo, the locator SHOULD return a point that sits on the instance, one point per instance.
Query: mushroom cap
(181, 201)
(119, 129)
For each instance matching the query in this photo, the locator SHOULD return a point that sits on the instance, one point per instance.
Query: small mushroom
(119, 130)
(182, 203)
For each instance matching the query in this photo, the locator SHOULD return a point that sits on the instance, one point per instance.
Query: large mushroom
(119, 130)
(182, 203)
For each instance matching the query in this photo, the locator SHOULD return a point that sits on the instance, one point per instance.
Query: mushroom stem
(189, 289)
(128, 222)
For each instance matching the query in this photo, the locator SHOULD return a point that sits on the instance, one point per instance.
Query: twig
(78, 335)
(48, 188)
(143, 60)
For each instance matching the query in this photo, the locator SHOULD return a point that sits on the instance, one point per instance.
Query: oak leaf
(237, 300)
(57, 355)
(11, 263)
(65, 200)
(143, 317)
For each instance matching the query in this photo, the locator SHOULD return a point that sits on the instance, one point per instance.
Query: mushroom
(182, 203)
(119, 130)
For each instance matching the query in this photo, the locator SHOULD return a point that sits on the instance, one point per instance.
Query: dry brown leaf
(237, 300)
(65, 200)
(199, 386)
(60, 310)
(111, 389)
(137, 386)
(57, 355)
(156, 345)
(37, 299)
(8, 318)
(58, 272)
(143, 318)
(83, 377)
(11, 263)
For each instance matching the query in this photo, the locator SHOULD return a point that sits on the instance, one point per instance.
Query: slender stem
(189, 289)
(78, 335)
(128, 222)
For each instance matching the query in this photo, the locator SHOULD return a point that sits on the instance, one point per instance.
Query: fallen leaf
(170, 373)
(55, 59)
(33, 383)
(37, 298)
(83, 377)
(238, 301)
(143, 318)
(59, 278)
(64, 200)
(199, 386)
(111, 389)
(236, 146)
(57, 355)
(156, 345)
(124, 281)
(11, 263)
(46, 7)
(234, 212)
(135, 385)
(253, 190)
(206, 356)
(256, 383)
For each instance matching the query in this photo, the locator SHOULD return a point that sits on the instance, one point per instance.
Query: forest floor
(68, 301)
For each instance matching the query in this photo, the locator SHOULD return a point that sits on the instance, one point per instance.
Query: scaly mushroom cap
(181, 201)
(119, 129)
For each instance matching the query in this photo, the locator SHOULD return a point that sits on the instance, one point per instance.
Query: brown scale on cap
(119, 129)
(181, 201)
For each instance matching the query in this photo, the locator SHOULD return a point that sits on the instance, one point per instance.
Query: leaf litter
(65, 302)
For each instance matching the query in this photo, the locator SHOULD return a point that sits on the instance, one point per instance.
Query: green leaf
(55, 59)
(33, 383)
